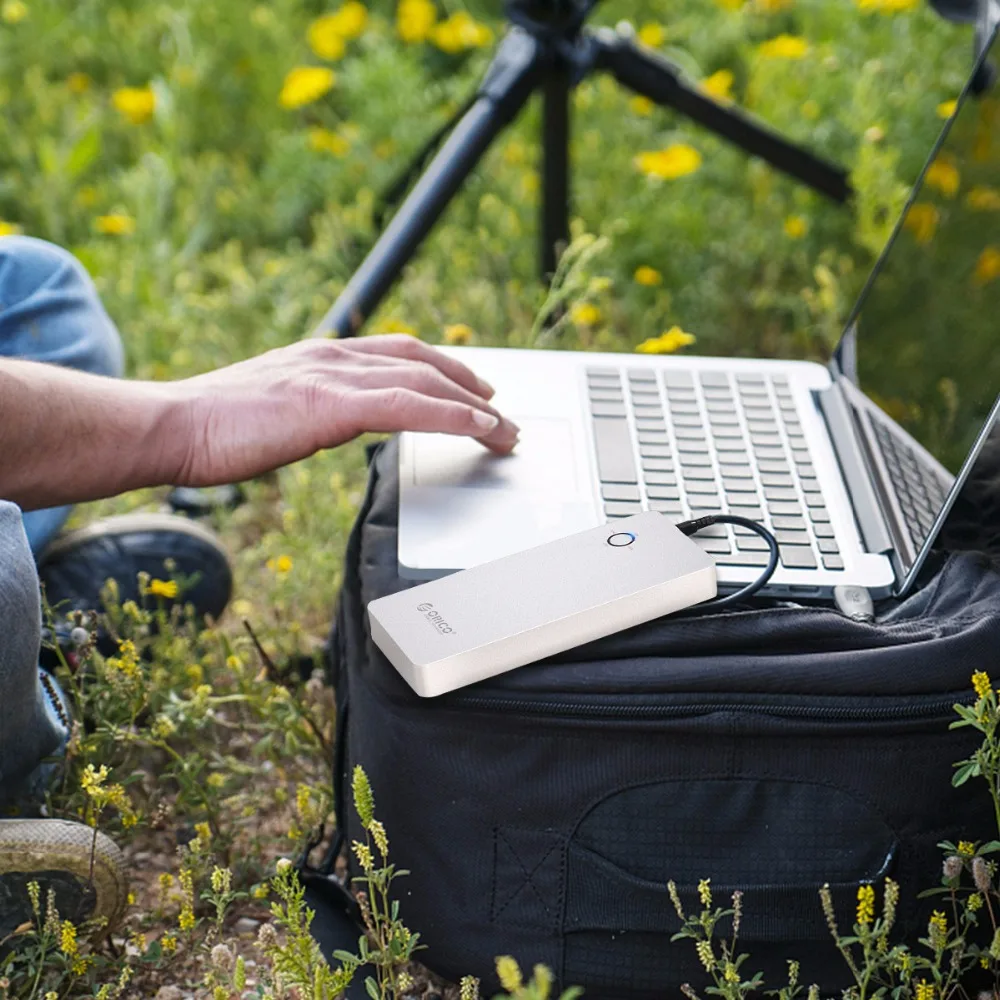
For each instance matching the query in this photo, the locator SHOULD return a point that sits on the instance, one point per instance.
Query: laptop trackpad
(542, 462)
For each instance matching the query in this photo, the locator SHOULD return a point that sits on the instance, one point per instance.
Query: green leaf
(989, 847)
(371, 988)
(84, 153)
(345, 957)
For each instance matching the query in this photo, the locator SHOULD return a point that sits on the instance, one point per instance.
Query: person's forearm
(66, 436)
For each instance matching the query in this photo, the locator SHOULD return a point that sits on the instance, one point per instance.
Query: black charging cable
(700, 523)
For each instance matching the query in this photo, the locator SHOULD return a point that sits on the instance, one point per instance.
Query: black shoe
(76, 566)
(86, 874)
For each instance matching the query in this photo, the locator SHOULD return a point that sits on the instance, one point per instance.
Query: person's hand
(284, 405)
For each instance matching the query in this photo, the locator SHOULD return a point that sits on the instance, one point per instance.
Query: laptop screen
(924, 340)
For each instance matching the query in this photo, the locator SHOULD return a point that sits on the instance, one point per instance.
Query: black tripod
(550, 48)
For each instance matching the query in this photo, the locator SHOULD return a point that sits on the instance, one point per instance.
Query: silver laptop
(853, 465)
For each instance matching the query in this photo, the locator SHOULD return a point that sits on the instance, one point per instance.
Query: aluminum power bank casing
(491, 618)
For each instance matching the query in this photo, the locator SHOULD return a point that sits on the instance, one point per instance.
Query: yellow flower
(415, 19)
(458, 333)
(326, 141)
(705, 892)
(168, 943)
(866, 904)
(162, 588)
(965, 847)
(946, 109)
(719, 85)
(922, 220)
(668, 342)
(509, 974)
(282, 565)
(260, 892)
(9, 228)
(652, 35)
(730, 5)
(731, 975)
(943, 175)
(874, 133)
(642, 105)
(983, 199)
(772, 6)
(981, 685)
(668, 164)
(78, 83)
(14, 11)
(987, 270)
(325, 40)
(116, 224)
(585, 314)
(924, 990)
(897, 6)
(648, 276)
(306, 84)
(393, 325)
(460, 32)
(784, 47)
(67, 938)
(136, 104)
(795, 227)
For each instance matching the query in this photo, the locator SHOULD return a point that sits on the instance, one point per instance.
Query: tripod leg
(654, 77)
(506, 87)
(555, 167)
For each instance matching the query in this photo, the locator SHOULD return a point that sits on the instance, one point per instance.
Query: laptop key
(823, 530)
(732, 432)
(744, 557)
(696, 458)
(619, 491)
(789, 523)
(738, 485)
(751, 543)
(781, 508)
(690, 433)
(777, 479)
(622, 508)
(655, 451)
(772, 465)
(649, 424)
(641, 375)
(651, 437)
(828, 546)
(819, 515)
(614, 450)
(696, 472)
(735, 471)
(797, 557)
(603, 372)
(607, 409)
(665, 491)
(786, 537)
(660, 478)
(750, 513)
(833, 562)
(695, 486)
(657, 464)
(609, 395)
(814, 500)
(678, 378)
(694, 446)
(776, 493)
(714, 546)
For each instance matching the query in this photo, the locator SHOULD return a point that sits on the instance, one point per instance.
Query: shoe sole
(31, 845)
(126, 524)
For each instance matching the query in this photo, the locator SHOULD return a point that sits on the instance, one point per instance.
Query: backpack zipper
(936, 708)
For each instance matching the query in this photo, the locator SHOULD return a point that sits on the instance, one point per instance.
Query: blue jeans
(49, 311)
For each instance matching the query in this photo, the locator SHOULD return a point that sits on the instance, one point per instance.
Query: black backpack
(771, 749)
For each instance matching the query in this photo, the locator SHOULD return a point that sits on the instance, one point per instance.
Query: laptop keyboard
(919, 491)
(712, 442)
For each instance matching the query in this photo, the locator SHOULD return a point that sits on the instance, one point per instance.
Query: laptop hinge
(849, 451)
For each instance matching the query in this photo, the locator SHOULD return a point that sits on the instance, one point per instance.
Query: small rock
(169, 993)
(246, 925)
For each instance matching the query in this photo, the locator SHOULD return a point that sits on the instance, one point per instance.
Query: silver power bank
(503, 614)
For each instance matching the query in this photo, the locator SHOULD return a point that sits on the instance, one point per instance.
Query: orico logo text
(430, 615)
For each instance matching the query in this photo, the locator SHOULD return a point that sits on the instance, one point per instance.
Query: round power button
(621, 538)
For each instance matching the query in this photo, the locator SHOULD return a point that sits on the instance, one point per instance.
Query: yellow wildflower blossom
(415, 19)
(730, 5)
(943, 175)
(924, 990)
(987, 270)
(393, 325)
(305, 84)
(983, 199)
(705, 892)
(897, 6)
(327, 141)
(784, 47)
(866, 904)
(9, 228)
(795, 227)
(78, 83)
(731, 975)
(965, 847)
(509, 974)
(136, 104)
(668, 164)
(459, 33)
(282, 565)
(162, 588)
(14, 11)
(922, 220)
(719, 85)
(642, 106)
(668, 342)
(652, 34)
(168, 943)
(458, 333)
(772, 6)
(946, 109)
(67, 938)
(937, 928)
(585, 314)
(115, 224)
(648, 276)
(324, 39)
(981, 685)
